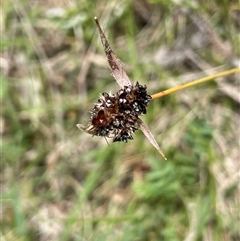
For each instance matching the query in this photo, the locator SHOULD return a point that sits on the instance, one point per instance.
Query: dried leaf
(117, 70)
(151, 138)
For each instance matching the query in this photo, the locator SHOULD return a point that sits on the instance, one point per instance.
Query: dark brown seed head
(117, 115)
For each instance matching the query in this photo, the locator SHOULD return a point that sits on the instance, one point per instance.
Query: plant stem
(195, 82)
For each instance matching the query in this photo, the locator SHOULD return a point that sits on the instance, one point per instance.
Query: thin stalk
(195, 82)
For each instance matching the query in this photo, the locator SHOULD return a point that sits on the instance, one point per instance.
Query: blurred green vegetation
(58, 183)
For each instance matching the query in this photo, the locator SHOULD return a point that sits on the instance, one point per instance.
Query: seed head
(117, 115)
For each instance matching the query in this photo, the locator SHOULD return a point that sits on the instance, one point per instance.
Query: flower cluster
(117, 115)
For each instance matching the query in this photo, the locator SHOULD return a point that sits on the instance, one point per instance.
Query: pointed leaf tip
(151, 138)
(117, 70)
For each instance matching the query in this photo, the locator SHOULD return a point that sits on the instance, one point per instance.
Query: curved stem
(195, 82)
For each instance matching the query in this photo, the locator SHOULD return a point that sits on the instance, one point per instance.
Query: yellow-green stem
(195, 82)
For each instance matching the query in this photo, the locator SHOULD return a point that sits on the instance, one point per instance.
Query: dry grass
(58, 183)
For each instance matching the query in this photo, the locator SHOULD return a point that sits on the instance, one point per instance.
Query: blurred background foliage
(58, 183)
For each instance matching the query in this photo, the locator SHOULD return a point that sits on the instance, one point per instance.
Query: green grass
(58, 183)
